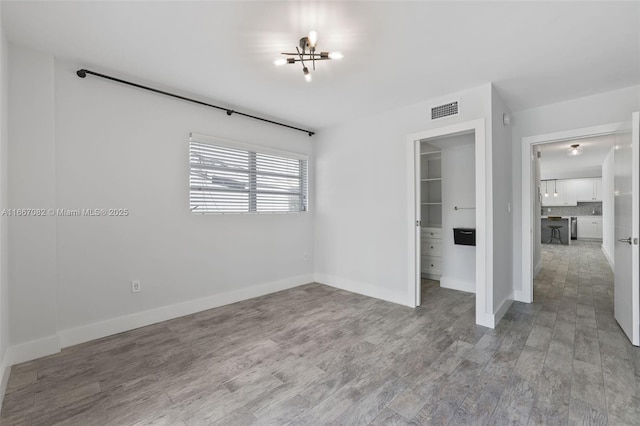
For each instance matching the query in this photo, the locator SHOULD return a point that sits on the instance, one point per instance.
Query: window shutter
(229, 177)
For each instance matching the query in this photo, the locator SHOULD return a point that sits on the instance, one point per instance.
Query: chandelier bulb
(280, 61)
(336, 55)
(307, 74)
(313, 38)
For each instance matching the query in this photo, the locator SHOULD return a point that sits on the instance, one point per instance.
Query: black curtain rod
(83, 73)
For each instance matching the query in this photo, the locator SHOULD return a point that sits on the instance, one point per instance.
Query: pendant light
(546, 192)
(555, 188)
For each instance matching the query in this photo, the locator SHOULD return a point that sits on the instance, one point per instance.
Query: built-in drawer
(431, 247)
(431, 265)
(431, 233)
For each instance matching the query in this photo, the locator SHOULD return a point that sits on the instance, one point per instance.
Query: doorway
(625, 213)
(481, 215)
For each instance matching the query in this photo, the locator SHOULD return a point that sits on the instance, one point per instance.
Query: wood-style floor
(317, 355)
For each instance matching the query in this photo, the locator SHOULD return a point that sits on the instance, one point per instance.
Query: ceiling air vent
(446, 110)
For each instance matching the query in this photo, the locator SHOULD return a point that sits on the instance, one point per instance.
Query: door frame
(529, 194)
(484, 216)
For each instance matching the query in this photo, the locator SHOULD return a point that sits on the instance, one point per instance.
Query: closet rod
(82, 73)
(464, 208)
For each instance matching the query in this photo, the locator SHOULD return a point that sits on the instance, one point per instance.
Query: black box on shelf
(464, 236)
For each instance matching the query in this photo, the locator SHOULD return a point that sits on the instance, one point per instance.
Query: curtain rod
(82, 73)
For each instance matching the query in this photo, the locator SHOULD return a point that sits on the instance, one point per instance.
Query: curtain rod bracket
(82, 73)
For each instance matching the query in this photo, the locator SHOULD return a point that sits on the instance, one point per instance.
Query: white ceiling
(396, 53)
(554, 159)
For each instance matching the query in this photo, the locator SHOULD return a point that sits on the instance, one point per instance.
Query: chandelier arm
(300, 55)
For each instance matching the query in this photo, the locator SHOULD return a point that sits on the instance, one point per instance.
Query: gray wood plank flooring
(317, 355)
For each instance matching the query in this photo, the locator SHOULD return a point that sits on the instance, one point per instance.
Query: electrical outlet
(135, 286)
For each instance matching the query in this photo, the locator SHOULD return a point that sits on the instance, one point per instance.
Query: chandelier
(305, 53)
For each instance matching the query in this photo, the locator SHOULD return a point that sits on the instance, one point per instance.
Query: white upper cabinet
(589, 189)
(566, 190)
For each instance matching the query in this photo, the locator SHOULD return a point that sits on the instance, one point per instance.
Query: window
(233, 177)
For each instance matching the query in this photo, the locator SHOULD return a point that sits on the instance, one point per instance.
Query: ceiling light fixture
(555, 188)
(306, 51)
(574, 150)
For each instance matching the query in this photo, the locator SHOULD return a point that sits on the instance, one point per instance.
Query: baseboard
(5, 371)
(609, 258)
(520, 296)
(491, 320)
(366, 289)
(503, 308)
(456, 284)
(97, 330)
(537, 269)
(33, 349)
(485, 320)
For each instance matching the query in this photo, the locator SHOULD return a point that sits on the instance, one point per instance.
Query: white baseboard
(520, 296)
(491, 320)
(456, 284)
(97, 330)
(503, 308)
(50, 345)
(33, 349)
(484, 319)
(365, 289)
(5, 370)
(537, 269)
(609, 258)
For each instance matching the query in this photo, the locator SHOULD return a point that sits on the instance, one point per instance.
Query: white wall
(502, 202)
(32, 184)
(608, 202)
(604, 108)
(4, 183)
(112, 146)
(592, 172)
(362, 196)
(458, 189)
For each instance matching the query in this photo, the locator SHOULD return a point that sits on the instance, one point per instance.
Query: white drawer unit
(431, 233)
(431, 264)
(431, 247)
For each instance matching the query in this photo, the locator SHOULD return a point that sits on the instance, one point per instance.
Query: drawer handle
(466, 232)
(432, 265)
(432, 247)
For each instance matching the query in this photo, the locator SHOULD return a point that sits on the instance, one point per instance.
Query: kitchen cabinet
(566, 189)
(589, 189)
(590, 227)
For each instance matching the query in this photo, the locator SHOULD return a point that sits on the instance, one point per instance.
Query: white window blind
(232, 177)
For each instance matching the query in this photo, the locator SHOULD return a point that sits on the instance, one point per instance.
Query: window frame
(251, 149)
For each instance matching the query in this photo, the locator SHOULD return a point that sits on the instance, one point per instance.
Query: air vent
(445, 110)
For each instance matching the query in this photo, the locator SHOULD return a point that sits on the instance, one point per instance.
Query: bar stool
(555, 233)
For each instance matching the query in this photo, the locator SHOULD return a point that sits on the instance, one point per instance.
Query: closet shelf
(431, 180)
(431, 204)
